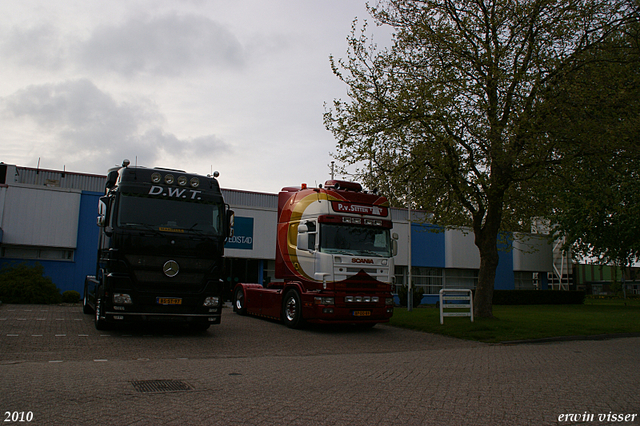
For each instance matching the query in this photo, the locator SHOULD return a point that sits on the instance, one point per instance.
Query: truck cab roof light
(343, 185)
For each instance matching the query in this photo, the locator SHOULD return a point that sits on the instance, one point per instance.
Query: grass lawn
(525, 322)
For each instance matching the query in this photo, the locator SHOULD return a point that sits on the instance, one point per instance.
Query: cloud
(164, 45)
(78, 112)
(36, 46)
(91, 130)
(168, 146)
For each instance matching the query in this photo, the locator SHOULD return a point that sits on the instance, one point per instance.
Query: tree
(450, 108)
(598, 212)
(596, 198)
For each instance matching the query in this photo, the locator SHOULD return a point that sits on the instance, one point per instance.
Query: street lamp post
(410, 277)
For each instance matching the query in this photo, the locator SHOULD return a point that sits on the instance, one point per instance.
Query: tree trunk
(483, 298)
(486, 239)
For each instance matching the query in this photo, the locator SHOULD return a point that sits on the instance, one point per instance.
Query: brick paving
(248, 371)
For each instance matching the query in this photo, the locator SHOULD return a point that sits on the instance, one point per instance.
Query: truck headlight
(211, 301)
(324, 300)
(122, 299)
(388, 301)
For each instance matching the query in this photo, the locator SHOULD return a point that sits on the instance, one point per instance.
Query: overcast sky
(236, 86)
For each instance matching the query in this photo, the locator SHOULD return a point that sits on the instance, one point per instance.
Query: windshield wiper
(371, 253)
(337, 251)
(199, 232)
(142, 225)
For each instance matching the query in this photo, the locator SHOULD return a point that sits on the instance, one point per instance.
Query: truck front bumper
(133, 316)
(331, 314)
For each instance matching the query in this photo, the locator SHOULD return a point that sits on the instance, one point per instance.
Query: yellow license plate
(168, 301)
(361, 313)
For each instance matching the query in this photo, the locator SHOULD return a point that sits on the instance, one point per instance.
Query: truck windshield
(160, 214)
(354, 240)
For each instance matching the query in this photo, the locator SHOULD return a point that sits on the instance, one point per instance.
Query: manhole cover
(160, 386)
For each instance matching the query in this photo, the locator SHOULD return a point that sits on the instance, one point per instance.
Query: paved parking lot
(248, 371)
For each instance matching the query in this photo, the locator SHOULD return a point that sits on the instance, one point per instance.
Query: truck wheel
(100, 322)
(292, 310)
(239, 306)
(86, 308)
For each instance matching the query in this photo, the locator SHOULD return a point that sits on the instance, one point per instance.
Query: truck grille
(381, 273)
(148, 274)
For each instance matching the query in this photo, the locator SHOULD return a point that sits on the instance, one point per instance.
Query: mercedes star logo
(171, 268)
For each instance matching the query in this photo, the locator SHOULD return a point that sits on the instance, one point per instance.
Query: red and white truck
(334, 257)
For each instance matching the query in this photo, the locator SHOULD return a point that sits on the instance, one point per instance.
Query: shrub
(537, 297)
(610, 297)
(70, 296)
(23, 283)
(403, 291)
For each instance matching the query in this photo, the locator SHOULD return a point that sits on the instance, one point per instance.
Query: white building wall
(402, 230)
(460, 249)
(3, 196)
(264, 234)
(532, 252)
(44, 217)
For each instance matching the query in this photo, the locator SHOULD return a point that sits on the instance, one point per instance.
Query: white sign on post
(458, 299)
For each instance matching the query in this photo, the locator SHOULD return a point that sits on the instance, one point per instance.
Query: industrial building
(49, 216)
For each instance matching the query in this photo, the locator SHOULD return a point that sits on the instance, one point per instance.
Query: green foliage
(537, 297)
(451, 110)
(598, 213)
(595, 198)
(403, 292)
(70, 296)
(26, 284)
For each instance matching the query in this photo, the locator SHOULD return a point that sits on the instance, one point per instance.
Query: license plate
(168, 301)
(361, 313)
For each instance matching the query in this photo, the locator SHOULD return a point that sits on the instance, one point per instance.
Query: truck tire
(292, 310)
(239, 306)
(100, 322)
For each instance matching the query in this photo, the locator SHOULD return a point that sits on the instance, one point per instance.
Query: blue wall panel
(69, 275)
(505, 278)
(88, 235)
(427, 246)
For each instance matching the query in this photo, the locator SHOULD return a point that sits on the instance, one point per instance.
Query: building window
(525, 280)
(428, 280)
(36, 253)
(461, 278)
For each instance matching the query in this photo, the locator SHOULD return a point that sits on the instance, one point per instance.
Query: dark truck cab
(161, 247)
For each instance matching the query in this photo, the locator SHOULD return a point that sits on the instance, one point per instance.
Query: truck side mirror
(307, 236)
(394, 244)
(231, 219)
(303, 237)
(112, 178)
(102, 212)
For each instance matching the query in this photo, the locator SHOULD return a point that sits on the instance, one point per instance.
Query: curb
(571, 338)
